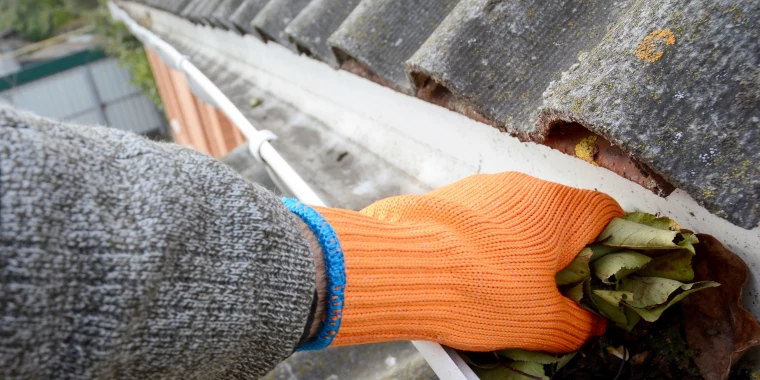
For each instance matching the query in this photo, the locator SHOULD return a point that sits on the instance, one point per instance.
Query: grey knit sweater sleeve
(125, 258)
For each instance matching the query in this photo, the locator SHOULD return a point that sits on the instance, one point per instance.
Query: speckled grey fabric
(125, 258)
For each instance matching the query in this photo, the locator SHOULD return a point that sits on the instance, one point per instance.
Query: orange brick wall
(194, 123)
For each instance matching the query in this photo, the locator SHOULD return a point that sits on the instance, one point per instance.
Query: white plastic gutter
(205, 89)
(444, 361)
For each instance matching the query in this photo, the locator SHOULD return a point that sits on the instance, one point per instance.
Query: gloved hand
(470, 265)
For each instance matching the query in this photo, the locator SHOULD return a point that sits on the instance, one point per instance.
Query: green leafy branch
(35, 20)
(119, 43)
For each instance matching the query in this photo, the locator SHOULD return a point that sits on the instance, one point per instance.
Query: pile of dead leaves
(638, 268)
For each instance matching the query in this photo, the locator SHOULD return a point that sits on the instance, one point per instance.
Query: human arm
(125, 258)
(470, 265)
(204, 275)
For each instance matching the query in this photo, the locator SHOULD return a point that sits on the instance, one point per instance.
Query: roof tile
(316, 23)
(275, 16)
(383, 34)
(674, 84)
(244, 15)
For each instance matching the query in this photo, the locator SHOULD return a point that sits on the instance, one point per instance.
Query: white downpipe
(258, 140)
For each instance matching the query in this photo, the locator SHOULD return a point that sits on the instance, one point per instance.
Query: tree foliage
(36, 20)
(119, 43)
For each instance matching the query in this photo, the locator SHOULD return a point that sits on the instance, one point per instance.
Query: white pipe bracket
(258, 139)
(173, 59)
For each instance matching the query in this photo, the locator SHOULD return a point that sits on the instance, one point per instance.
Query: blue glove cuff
(335, 270)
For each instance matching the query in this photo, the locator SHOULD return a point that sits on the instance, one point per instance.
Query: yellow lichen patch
(648, 49)
(585, 149)
(740, 171)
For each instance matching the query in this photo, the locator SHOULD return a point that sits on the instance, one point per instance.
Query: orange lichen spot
(648, 49)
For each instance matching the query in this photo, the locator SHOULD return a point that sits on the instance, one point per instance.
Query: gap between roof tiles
(563, 136)
(570, 138)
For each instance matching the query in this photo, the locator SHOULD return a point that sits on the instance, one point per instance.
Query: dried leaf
(632, 317)
(601, 250)
(688, 242)
(577, 270)
(586, 302)
(521, 355)
(715, 322)
(627, 321)
(651, 220)
(474, 363)
(497, 373)
(615, 266)
(639, 358)
(533, 369)
(575, 293)
(675, 265)
(509, 372)
(651, 315)
(565, 359)
(620, 352)
(613, 296)
(626, 234)
(648, 291)
(613, 313)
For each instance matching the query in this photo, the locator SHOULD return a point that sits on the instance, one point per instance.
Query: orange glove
(470, 265)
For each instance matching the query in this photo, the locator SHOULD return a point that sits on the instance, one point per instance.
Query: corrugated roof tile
(316, 23)
(652, 77)
(275, 16)
(224, 11)
(675, 84)
(502, 56)
(189, 8)
(206, 13)
(383, 34)
(244, 15)
(195, 10)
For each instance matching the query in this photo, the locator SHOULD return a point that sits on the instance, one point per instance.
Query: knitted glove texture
(470, 265)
